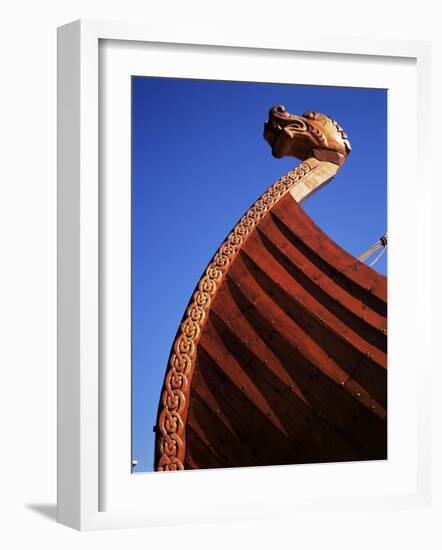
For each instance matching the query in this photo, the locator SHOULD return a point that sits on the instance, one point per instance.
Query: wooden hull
(291, 367)
(290, 363)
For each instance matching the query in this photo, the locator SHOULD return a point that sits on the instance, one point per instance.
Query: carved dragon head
(309, 135)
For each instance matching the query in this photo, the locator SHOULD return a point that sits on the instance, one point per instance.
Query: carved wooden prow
(316, 139)
(238, 289)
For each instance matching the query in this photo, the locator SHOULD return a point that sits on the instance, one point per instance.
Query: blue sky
(198, 162)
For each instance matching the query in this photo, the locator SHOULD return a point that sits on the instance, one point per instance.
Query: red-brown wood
(291, 363)
(281, 355)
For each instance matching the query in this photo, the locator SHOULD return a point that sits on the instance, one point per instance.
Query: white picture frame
(82, 468)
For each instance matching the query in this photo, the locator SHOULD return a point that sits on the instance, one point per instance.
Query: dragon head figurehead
(309, 135)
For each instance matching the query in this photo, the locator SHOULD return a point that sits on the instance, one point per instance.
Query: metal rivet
(358, 395)
(342, 383)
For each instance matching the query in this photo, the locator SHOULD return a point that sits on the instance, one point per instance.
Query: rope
(382, 242)
(378, 256)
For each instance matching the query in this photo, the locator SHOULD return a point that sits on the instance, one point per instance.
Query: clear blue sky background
(198, 162)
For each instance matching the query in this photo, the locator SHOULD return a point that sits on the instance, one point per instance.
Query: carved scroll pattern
(174, 398)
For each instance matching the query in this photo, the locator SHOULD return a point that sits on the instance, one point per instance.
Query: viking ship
(281, 355)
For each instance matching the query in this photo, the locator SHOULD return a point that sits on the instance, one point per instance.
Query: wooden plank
(300, 226)
(301, 266)
(292, 295)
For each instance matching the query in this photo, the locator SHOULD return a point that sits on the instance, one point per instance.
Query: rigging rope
(378, 256)
(381, 242)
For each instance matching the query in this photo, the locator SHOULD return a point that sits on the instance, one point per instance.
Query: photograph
(259, 274)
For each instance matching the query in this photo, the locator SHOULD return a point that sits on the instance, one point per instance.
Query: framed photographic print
(221, 337)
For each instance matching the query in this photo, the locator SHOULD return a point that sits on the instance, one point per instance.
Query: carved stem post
(323, 147)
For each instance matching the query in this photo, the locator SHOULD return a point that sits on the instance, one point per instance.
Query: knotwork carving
(173, 410)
